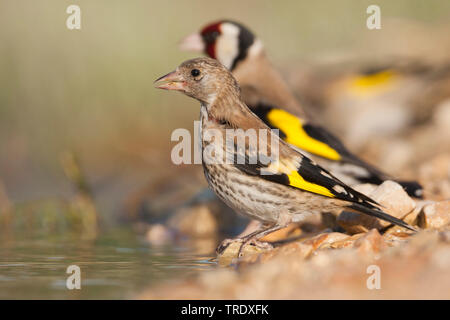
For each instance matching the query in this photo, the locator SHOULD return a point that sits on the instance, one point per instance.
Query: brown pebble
(435, 215)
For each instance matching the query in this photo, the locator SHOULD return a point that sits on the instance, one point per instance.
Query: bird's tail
(375, 176)
(381, 215)
(412, 188)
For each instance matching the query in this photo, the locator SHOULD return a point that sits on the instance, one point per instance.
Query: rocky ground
(330, 257)
(330, 264)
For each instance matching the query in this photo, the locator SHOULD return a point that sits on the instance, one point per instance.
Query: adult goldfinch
(286, 188)
(269, 97)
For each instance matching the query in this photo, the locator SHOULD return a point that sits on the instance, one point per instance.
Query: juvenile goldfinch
(269, 97)
(285, 189)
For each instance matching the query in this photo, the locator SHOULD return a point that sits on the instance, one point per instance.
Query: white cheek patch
(227, 46)
(256, 48)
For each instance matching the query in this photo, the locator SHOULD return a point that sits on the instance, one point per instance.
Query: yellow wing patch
(295, 134)
(296, 180)
(372, 84)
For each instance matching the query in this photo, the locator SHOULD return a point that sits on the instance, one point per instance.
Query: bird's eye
(195, 72)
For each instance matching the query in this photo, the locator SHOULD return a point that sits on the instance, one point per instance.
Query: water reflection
(112, 267)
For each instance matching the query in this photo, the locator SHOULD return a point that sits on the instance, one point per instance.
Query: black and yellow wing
(301, 173)
(297, 132)
(320, 142)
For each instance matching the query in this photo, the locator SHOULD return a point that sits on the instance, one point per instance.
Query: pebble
(195, 221)
(391, 196)
(435, 215)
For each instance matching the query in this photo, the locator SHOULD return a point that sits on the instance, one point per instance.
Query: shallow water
(112, 267)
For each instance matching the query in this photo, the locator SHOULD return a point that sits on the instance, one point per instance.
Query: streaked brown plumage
(288, 188)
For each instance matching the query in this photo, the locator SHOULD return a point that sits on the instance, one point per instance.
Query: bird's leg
(225, 243)
(264, 229)
(253, 238)
(254, 225)
(242, 239)
(284, 219)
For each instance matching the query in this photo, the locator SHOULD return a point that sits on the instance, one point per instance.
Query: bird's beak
(192, 42)
(170, 81)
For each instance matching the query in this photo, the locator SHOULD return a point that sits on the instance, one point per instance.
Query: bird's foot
(225, 244)
(244, 242)
(259, 244)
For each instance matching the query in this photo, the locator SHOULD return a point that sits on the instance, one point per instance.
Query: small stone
(365, 188)
(297, 249)
(398, 232)
(371, 242)
(435, 215)
(411, 218)
(355, 223)
(395, 238)
(158, 234)
(325, 240)
(394, 198)
(346, 243)
(196, 221)
(300, 249)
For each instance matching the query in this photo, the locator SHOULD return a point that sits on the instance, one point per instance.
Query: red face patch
(210, 34)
